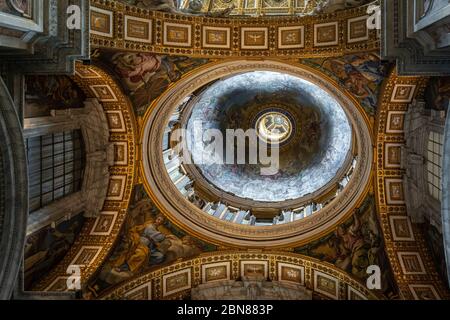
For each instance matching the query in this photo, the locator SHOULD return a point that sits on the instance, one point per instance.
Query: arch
(411, 261)
(97, 236)
(97, 156)
(309, 271)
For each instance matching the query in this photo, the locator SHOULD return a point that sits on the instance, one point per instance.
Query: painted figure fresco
(146, 76)
(361, 74)
(435, 243)
(44, 93)
(437, 94)
(354, 246)
(135, 69)
(146, 246)
(45, 248)
(148, 241)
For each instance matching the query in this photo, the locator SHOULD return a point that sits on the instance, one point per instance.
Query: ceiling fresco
(45, 93)
(352, 246)
(145, 76)
(47, 247)
(147, 241)
(356, 244)
(308, 163)
(228, 149)
(361, 74)
(150, 242)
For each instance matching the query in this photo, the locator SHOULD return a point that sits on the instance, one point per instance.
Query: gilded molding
(152, 283)
(190, 218)
(408, 253)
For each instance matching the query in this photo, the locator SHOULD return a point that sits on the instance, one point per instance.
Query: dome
(309, 169)
(311, 130)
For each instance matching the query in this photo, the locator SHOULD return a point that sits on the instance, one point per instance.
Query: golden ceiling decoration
(177, 280)
(97, 236)
(407, 250)
(120, 26)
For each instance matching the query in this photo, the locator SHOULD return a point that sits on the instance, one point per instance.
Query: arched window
(435, 151)
(55, 167)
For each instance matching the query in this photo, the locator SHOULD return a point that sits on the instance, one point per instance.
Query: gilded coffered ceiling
(120, 26)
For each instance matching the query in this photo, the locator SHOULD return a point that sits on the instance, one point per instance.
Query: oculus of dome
(274, 126)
